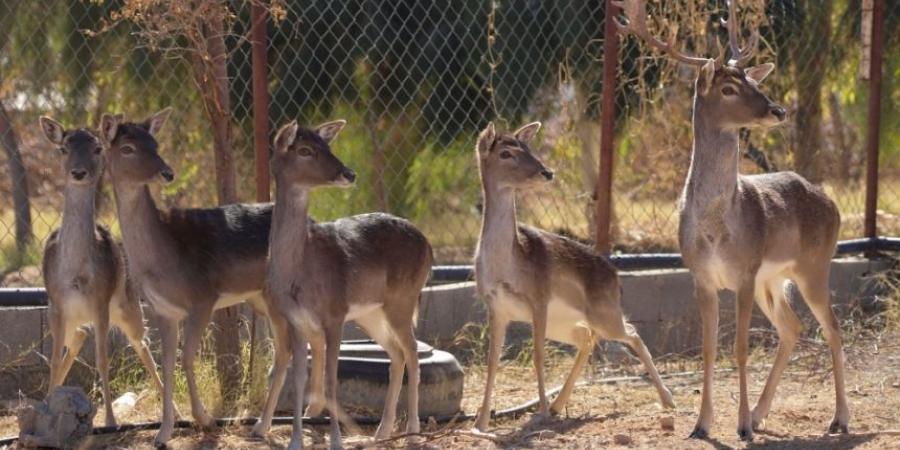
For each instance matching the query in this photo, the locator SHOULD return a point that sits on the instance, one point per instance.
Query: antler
(739, 56)
(636, 11)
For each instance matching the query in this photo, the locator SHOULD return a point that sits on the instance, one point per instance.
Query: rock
(124, 403)
(622, 439)
(62, 420)
(667, 423)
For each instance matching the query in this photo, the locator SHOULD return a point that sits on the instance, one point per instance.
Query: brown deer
(748, 234)
(188, 262)
(84, 269)
(369, 268)
(565, 289)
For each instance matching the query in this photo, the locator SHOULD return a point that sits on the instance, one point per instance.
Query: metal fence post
(874, 119)
(603, 214)
(259, 18)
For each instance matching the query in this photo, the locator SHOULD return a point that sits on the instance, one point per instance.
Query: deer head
(304, 158)
(505, 160)
(727, 92)
(132, 149)
(81, 150)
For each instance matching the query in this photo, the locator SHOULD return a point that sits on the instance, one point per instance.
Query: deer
(569, 292)
(189, 262)
(750, 234)
(367, 268)
(84, 269)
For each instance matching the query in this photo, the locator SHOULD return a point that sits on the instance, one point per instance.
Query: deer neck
(498, 226)
(712, 178)
(143, 233)
(290, 228)
(76, 235)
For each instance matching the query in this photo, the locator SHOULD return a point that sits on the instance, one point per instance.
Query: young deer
(566, 290)
(749, 234)
(84, 269)
(368, 268)
(187, 262)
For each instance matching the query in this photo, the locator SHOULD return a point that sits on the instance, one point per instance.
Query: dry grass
(598, 412)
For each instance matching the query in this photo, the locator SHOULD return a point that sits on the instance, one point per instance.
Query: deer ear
(155, 122)
(52, 130)
(486, 138)
(705, 77)
(327, 131)
(527, 132)
(109, 126)
(760, 72)
(285, 136)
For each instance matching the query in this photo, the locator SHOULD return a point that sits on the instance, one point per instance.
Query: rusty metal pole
(603, 213)
(259, 20)
(874, 119)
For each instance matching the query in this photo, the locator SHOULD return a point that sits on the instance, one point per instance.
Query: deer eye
(63, 150)
(505, 154)
(728, 90)
(97, 150)
(305, 152)
(127, 149)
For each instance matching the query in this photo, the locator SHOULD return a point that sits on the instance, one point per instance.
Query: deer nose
(349, 174)
(78, 174)
(167, 175)
(548, 174)
(778, 112)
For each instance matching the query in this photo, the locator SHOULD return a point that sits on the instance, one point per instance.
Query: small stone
(896, 384)
(622, 439)
(667, 423)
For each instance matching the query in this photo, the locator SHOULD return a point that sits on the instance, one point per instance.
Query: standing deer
(84, 269)
(567, 291)
(748, 234)
(368, 268)
(188, 262)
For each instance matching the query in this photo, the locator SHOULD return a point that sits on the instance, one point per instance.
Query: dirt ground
(627, 414)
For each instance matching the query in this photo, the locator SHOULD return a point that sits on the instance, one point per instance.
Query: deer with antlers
(748, 234)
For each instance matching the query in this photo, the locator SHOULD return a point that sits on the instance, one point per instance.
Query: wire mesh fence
(416, 81)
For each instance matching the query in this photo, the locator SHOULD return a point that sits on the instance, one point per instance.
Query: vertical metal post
(603, 213)
(874, 119)
(259, 18)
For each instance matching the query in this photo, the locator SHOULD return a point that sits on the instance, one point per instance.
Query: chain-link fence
(416, 80)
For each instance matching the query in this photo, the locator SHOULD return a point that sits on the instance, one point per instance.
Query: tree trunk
(18, 176)
(212, 80)
(810, 62)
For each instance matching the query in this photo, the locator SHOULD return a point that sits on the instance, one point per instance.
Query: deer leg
(332, 351)
(298, 348)
(539, 335)
(101, 335)
(778, 311)
(585, 342)
(377, 328)
(495, 348)
(632, 339)
(815, 292)
(132, 325)
(281, 340)
(168, 330)
(194, 326)
(708, 303)
(741, 351)
(411, 356)
(58, 334)
(316, 377)
(73, 346)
